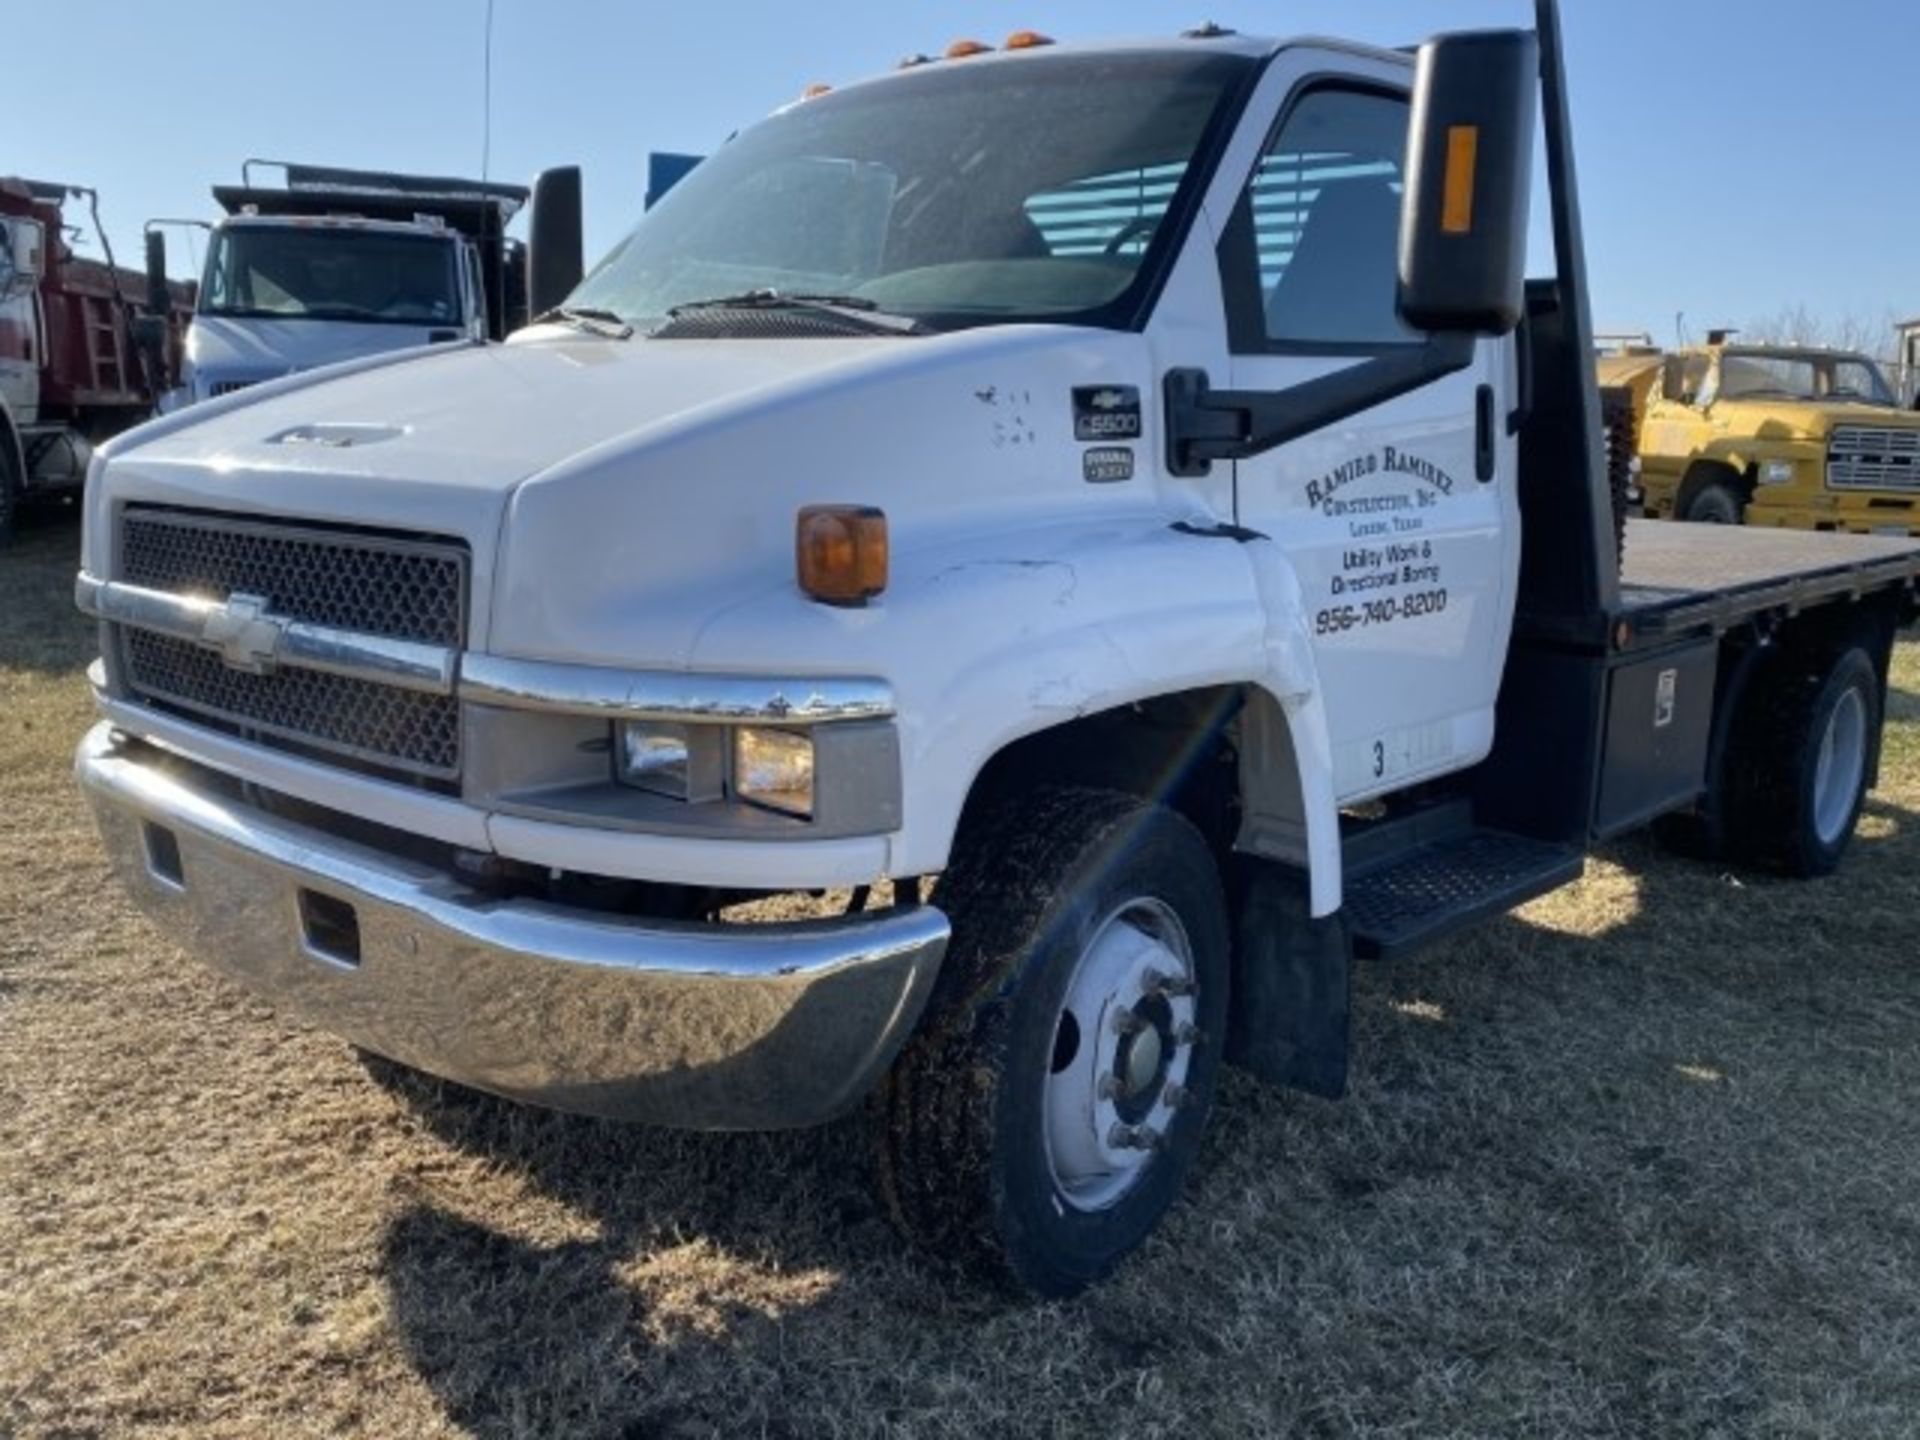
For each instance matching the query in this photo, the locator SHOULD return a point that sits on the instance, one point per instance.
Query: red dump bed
(88, 358)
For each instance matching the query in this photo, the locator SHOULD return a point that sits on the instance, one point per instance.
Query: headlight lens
(656, 758)
(774, 768)
(1777, 472)
(681, 762)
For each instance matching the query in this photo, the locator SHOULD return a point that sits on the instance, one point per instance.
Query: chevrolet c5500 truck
(1785, 436)
(1113, 519)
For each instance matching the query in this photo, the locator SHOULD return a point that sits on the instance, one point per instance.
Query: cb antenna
(486, 99)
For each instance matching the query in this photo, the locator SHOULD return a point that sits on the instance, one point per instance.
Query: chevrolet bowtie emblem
(1108, 399)
(243, 635)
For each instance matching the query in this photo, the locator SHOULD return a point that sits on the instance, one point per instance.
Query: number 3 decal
(1379, 759)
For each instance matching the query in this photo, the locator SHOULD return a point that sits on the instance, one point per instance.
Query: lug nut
(1188, 1034)
(1178, 1097)
(1172, 986)
(1125, 1022)
(1134, 1137)
(1110, 1087)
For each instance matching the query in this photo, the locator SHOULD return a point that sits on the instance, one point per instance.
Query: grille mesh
(394, 588)
(375, 722)
(1871, 457)
(399, 589)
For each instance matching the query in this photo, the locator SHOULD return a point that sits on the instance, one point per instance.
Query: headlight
(679, 761)
(774, 768)
(1776, 472)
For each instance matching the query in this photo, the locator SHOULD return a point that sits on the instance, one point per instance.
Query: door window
(1311, 257)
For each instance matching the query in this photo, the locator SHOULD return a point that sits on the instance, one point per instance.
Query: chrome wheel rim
(1840, 769)
(1122, 1050)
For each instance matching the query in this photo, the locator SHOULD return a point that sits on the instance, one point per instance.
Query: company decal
(1106, 412)
(1389, 572)
(1666, 698)
(1105, 464)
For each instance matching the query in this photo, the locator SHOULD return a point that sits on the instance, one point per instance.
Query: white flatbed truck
(1131, 575)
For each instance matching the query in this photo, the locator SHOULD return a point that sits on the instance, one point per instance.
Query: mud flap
(1292, 985)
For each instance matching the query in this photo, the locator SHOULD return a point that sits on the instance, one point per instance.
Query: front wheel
(1044, 1118)
(1716, 503)
(11, 485)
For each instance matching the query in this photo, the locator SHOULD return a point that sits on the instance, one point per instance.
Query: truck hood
(661, 474)
(468, 420)
(1806, 420)
(241, 350)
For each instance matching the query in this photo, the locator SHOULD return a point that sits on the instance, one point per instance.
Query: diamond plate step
(1429, 893)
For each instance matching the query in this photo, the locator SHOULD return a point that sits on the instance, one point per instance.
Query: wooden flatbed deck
(1679, 577)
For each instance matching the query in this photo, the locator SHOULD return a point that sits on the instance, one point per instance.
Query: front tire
(1716, 503)
(1803, 768)
(12, 485)
(1046, 1114)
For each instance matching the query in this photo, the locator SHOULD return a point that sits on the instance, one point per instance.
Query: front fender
(994, 639)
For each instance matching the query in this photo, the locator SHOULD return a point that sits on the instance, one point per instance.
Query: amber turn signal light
(1027, 40)
(961, 49)
(840, 553)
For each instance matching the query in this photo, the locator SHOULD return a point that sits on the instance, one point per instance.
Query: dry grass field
(1641, 1160)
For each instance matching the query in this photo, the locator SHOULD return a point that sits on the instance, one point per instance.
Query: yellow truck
(1788, 436)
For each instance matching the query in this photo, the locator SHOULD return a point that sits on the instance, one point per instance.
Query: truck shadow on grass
(1599, 1154)
(705, 1247)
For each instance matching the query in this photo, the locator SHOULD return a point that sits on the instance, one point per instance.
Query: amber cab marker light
(840, 553)
(1027, 40)
(815, 91)
(961, 49)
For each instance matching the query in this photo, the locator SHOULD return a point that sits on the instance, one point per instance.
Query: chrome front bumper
(701, 1026)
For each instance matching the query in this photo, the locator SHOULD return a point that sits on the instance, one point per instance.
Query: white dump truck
(1012, 577)
(336, 264)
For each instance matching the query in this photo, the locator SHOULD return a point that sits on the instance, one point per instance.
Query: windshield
(323, 272)
(968, 193)
(1796, 377)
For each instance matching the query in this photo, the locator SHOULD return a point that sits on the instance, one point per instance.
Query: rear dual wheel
(1798, 775)
(1044, 1117)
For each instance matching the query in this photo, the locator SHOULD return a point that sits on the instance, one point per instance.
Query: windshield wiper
(585, 317)
(855, 308)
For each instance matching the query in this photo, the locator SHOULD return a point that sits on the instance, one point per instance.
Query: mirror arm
(1204, 424)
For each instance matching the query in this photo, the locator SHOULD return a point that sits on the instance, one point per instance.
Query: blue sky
(1736, 158)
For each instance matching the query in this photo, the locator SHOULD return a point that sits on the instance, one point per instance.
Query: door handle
(1483, 456)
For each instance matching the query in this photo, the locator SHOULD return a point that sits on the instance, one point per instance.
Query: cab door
(1400, 522)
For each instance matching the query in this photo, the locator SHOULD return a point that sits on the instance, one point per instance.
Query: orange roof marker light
(961, 49)
(815, 91)
(1027, 40)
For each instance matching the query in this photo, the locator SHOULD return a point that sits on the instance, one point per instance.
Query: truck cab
(1795, 437)
(342, 264)
(983, 628)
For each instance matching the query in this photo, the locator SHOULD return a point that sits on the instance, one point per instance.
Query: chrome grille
(392, 587)
(378, 723)
(228, 387)
(1872, 457)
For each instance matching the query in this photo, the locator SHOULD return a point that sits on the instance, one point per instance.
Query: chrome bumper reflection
(703, 1026)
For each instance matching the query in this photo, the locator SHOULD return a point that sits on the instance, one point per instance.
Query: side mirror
(24, 259)
(159, 294)
(1463, 226)
(554, 252)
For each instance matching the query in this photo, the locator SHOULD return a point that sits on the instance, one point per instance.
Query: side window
(1311, 258)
